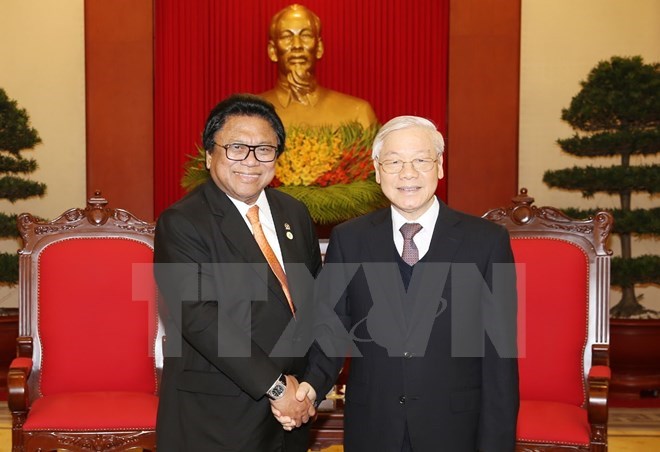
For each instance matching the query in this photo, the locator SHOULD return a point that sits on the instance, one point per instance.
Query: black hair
(242, 105)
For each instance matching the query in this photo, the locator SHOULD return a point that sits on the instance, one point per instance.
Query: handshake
(296, 407)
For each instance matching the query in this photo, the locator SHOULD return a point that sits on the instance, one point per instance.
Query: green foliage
(617, 112)
(8, 226)
(16, 135)
(339, 202)
(608, 144)
(621, 93)
(8, 268)
(636, 270)
(11, 164)
(354, 135)
(612, 180)
(14, 188)
(15, 130)
(194, 170)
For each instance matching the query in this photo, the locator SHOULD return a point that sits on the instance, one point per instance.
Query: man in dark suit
(220, 265)
(431, 311)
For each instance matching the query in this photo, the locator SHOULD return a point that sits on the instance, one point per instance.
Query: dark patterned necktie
(410, 253)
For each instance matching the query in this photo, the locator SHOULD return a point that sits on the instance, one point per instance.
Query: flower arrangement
(328, 169)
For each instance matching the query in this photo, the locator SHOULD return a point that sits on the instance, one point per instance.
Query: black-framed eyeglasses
(238, 151)
(396, 166)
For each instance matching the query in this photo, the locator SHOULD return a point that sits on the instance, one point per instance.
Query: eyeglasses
(396, 166)
(239, 151)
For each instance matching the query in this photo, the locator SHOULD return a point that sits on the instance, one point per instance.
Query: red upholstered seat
(101, 310)
(552, 422)
(102, 411)
(551, 385)
(90, 337)
(563, 325)
(554, 287)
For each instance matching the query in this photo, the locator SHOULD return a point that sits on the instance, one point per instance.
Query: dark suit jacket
(419, 368)
(224, 320)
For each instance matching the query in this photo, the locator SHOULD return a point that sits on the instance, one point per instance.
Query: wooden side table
(328, 428)
(8, 335)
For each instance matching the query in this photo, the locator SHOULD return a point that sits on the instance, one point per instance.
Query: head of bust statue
(295, 44)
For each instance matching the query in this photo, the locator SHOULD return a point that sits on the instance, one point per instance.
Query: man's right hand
(295, 407)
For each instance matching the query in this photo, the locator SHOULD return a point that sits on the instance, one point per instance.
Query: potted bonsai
(16, 135)
(617, 114)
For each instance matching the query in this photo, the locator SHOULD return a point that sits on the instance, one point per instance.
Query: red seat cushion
(94, 334)
(551, 422)
(552, 319)
(83, 411)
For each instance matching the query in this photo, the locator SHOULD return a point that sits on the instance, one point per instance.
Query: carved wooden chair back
(89, 346)
(563, 269)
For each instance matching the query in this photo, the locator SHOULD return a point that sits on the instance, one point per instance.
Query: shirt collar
(265, 217)
(427, 220)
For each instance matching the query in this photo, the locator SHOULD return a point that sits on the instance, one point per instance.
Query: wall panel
(119, 100)
(484, 65)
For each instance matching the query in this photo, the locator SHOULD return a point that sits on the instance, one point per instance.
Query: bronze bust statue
(295, 44)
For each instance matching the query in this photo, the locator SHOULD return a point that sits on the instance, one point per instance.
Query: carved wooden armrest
(598, 387)
(24, 347)
(17, 378)
(600, 355)
(18, 374)
(598, 384)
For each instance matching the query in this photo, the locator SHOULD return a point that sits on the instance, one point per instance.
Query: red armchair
(563, 326)
(89, 347)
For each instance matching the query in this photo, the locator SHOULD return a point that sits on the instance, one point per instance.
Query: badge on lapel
(289, 234)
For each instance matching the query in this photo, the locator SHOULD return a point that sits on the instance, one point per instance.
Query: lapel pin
(287, 227)
(289, 235)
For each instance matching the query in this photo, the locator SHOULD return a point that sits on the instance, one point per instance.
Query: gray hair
(408, 122)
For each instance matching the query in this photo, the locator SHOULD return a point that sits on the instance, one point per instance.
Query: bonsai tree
(617, 113)
(16, 135)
